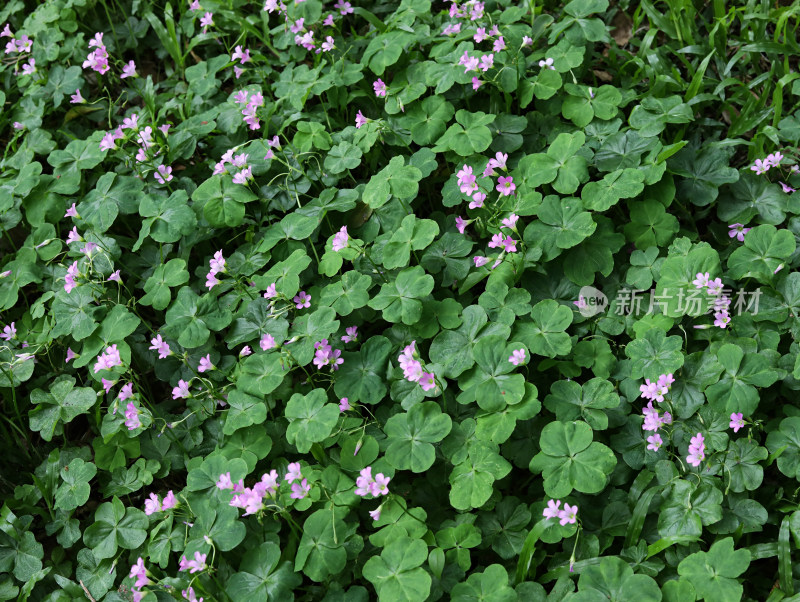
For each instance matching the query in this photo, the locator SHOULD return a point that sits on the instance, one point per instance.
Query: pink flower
(737, 421)
(132, 417)
(303, 299)
(715, 286)
(206, 21)
(480, 261)
(568, 515)
(360, 120)
(115, 277)
(243, 176)
(300, 490)
(527, 41)
(129, 70)
(242, 54)
(511, 221)
(108, 359)
(328, 44)
(701, 280)
(343, 6)
(499, 44)
(271, 293)
(461, 224)
(340, 239)
(506, 186)
(125, 392)
(722, 319)
(509, 245)
(160, 345)
(181, 391)
(224, 481)
(380, 88)
(363, 482)
(70, 355)
(466, 180)
(344, 404)
(552, 510)
(427, 381)
(152, 505)
(476, 83)
(761, 167)
(477, 200)
(107, 384)
(169, 501)
(380, 486)
(487, 62)
(267, 342)
(199, 563)
(517, 357)
(205, 364)
(696, 450)
(107, 143)
(376, 514)
(77, 98)
(787, 189)
(245, 351)
(774, 159)
(211, 280)
(139, 573)
(163, 174)
(738, 231)
(547, 63)
(352, 334)
(9, 332)
(294, 473)
(29, 68)
(654, 442)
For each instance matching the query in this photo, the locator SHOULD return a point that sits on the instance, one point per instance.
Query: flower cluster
(243, 55)
(656, 391)
(108, 359)
(154, 505)
(23, 45)
(325, 355)
(251, 103)
(139, 572)
(132, 417)
(413, 370)
(244, 172)
(69, 279)
(762, 166)
(216, 265)
(367, 485)
(653, 421)
(566, 515)
(275, 143)
(697, 450)
(251, 499)
(160, 345)
(98, 58)
(721, 302)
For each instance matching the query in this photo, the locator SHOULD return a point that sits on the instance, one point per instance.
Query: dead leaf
(623, 29)
(603, 76)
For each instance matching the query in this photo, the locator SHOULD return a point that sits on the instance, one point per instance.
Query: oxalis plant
(403, 301)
